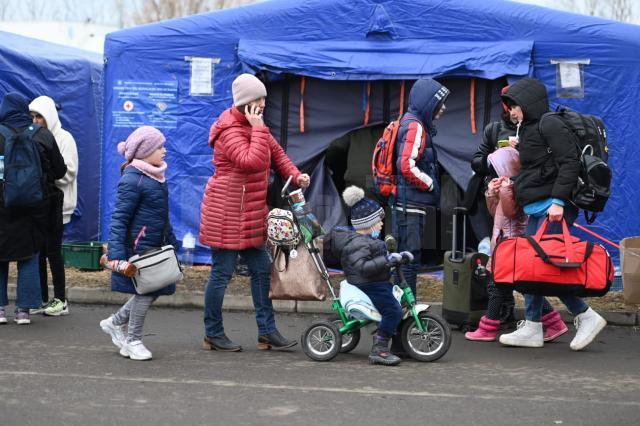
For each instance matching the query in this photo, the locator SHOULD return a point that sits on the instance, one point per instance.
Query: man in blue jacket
(417, 166)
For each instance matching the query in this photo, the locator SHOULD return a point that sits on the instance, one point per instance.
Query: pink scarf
(154, 172)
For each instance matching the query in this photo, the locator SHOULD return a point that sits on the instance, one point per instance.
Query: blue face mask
(375, 234)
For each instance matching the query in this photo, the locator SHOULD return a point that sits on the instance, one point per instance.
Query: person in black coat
(23, 229)
(549, 171)
(367, 266)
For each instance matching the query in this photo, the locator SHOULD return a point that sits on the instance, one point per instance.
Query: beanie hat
(365, 213)
(505, 161)
(141, 143)
(247, 88)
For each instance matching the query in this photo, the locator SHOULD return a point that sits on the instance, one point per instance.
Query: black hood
(531, 95)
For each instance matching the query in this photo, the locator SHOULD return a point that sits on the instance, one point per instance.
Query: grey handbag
(156, 269)
(159, 267)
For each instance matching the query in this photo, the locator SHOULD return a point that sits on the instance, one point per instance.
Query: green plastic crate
(83, 255)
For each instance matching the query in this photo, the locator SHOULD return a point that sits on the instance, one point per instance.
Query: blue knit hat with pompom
(365, 213)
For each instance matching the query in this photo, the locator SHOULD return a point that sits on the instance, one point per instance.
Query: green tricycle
(425, 335)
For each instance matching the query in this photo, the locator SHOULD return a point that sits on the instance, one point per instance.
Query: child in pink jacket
(509, 221)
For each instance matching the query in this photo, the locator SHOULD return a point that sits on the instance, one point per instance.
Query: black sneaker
(275, 341)
(220, 343)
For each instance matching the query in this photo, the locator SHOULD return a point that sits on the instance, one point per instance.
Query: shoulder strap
(495, 131)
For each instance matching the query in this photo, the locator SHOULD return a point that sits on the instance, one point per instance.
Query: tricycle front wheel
(430, 344)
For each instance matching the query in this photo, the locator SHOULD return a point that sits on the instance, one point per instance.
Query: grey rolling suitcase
(464, 298)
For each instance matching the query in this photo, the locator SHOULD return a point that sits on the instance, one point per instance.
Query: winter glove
(407, 255)
(394, 259)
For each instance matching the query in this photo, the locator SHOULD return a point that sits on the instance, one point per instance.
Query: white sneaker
(118, 336)
(135, 350)
(588, 325)
(529, 335)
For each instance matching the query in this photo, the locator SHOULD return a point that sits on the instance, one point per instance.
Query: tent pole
(284, 113)
(386, 102)
(488, 94)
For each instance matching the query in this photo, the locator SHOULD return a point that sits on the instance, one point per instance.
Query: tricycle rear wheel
(321, 341)
(349, 340)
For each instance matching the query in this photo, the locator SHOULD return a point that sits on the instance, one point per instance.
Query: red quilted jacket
(234, 207)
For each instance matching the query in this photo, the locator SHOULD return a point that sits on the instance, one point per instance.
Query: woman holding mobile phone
(234, 211)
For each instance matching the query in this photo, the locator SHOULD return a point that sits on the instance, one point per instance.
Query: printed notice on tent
(570, 77)
(201, 82)
(145, 103)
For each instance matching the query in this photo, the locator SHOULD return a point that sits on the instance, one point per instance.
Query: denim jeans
(408, 230)
(222, 267)
(381, 294)
(533, 303)
(28, 294)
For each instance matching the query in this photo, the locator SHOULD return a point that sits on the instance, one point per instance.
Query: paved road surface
(66, 371)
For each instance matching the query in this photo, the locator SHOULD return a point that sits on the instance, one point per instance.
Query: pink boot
(553, 326)
(487, 330)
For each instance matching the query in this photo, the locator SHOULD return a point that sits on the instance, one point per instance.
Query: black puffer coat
(550, 163)
(363, 258)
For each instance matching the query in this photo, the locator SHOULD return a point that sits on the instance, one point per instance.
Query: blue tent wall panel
(157, 53)
(73, 78)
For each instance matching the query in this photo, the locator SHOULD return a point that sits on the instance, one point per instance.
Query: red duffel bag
(552, 265)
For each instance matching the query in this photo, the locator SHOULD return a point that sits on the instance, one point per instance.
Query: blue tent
(176, 75)
(72, 78)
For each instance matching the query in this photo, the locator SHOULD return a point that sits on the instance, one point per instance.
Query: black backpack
(593, 187)
(24, 181)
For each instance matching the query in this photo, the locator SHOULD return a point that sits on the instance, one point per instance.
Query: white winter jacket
(45, 106)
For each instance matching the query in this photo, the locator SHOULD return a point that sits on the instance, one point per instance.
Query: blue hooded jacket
(416, 158)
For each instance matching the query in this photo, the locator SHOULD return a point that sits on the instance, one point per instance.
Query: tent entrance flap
(381, 60)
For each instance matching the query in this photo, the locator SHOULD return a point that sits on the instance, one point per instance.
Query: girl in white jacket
(44, 112)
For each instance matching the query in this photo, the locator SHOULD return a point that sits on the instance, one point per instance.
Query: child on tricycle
(367, 295)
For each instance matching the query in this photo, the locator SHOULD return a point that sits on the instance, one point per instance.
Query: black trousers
(52, 251)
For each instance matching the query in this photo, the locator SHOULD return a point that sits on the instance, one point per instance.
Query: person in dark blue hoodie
(417, 165)
(23, 229)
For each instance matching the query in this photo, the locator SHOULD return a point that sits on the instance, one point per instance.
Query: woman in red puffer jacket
(234, 211)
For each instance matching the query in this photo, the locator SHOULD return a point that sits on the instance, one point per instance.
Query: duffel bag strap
(566, 236)
(564, 265)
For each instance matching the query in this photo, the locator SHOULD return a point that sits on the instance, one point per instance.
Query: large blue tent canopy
(150, 69)
(72, 78)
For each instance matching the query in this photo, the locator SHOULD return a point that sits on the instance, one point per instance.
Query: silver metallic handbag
(157, 269)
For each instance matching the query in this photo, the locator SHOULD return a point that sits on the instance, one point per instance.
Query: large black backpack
(24, 182)
(593, 187)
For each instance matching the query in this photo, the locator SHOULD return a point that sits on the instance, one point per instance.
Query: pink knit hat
(247, 88)
(505, 161)
(141, 143)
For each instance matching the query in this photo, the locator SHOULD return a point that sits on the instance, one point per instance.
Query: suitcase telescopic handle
(454, 245)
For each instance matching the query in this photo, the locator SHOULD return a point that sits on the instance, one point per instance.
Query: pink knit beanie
(141, 143)
(247, 88)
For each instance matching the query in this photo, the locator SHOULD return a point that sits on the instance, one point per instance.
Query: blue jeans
(408, 230)
(533, 303)
(381, 294)
(28, 292)
(223, 266)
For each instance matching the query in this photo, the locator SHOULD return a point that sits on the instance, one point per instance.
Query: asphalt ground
(66, 371)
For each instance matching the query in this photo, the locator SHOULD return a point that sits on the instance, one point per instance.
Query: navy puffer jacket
(141, 201)
(363, 258)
